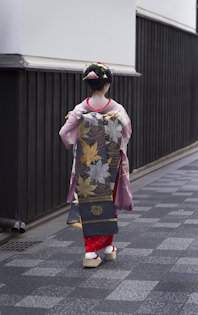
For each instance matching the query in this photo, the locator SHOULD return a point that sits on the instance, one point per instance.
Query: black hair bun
(102, 72)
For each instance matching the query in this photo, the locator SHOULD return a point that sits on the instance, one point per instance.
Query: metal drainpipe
(15, 225)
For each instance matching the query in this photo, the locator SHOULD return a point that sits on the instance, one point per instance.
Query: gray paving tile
(191, 221)
(73, 306)
(181, 212)
(149, 272)
(147, 220)
(193, 298)
(189, 309)
(164, 260)
(39, 301)
(191, 200)
(175, 285)
(189, 188)
(53, 290)
(145, 242)
(95, 312)
(128, 216)
(9, 299)
(185, 268)
(121, 244)
(118, 307)
(9, 310)
(194, 245)
(24, 262)
(166, 205)
(140, 195)
(175, 243)
(150, 233)
(135, 252)
(163, 303)
(100, 283)
(111, 274)
(121, 263)
(169, 225)
(57, 243)
(187, 261)
(139, 208)
(132, 290)
(5, 255)
(43, 272)
(58, 263)
(136, 201)
(73, 272)
(74, 250)
(90, 293)
(123, 224)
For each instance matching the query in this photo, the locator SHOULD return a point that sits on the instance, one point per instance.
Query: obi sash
(96, 171)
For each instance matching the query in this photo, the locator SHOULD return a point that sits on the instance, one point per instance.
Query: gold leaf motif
(84, 187)
(96, 210)
(67, 116)
(109, 161)
(82, 131)
(90, 153)
(109, 115)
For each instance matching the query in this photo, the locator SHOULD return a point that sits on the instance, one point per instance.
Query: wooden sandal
(112, 255)
(92, 263)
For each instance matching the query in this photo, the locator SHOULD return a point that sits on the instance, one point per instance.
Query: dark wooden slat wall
(9, 143)
(165, 109)
(162, 105)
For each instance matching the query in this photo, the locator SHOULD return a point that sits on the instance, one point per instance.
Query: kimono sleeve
(127, 130)
(126, 127)
(69, 131)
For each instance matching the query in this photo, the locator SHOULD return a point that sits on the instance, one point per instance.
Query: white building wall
(180, 13)
(11, 31)
(65, 33)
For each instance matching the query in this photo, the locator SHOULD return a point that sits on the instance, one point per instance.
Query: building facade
(151, 47)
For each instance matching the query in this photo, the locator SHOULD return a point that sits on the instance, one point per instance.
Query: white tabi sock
(109, 249)
(90, 255)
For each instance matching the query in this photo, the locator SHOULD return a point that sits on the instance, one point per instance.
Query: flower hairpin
(99, 64)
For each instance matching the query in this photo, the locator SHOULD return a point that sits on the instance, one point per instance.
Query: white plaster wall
(11, 26)
(180, 13)
(80, 30)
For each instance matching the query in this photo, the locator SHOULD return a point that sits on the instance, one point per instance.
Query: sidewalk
(156, 271)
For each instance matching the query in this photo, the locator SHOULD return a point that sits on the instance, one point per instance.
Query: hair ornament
(91, 76)
(102, 66)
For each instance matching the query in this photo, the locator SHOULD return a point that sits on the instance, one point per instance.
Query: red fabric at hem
(95, 243)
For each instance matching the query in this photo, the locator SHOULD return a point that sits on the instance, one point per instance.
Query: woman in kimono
(99, 130)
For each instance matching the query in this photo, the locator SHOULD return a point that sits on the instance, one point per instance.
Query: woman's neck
(98, 100)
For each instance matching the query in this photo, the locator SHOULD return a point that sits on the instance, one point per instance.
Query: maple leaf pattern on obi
(84, 187)
(113, 130)
(90, 153)
(83, 131)
(99, 172)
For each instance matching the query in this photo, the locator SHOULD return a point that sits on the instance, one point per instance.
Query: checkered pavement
(156, 270)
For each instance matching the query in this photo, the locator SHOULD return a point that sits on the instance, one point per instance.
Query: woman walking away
(99, 130)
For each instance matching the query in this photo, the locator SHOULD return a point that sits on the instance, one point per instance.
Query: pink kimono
(69, 134)
(122, 195)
